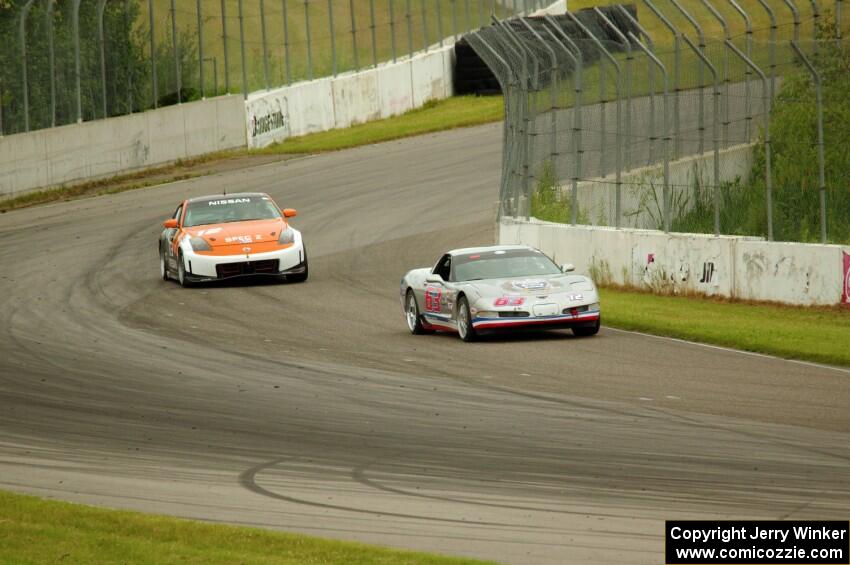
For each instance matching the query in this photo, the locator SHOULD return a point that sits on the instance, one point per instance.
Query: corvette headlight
(287, 236)
(199, 244)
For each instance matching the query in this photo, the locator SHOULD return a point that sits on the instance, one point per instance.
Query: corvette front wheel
(464, 321)
(589, 330)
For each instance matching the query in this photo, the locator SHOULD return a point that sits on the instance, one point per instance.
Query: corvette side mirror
(432, 278)
(568, 267)
(289, 213)
(170, 223)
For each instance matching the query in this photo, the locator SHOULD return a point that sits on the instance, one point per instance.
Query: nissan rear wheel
(163, 266)
(464, 321)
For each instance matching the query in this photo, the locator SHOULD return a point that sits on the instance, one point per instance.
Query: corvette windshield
(503, 264)
(227, 209)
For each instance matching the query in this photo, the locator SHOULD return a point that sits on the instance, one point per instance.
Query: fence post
(309, 46)
(130, 68)
(651, 74)
(52, 63)
(772, 52)
(530, 112)
(701, 74)
(176, 50)
(508, 85)
(200, 47)
(677, 57)
(101, 5)
(333, 36)
(374, 36)
(24, 79)
(245, 87)
(796, 15)
(425, 25)
(767, 164)
(748, 102)
(408, 17)
(666, 189)
(578, 62)
(838, 22)
(553, 96)
(224, 45)
(815, 24)
(153, 53)
(618, 165)
(816, 78)
(454, 19)
(286, 41)
(715, 134)
(392, 30)
(440, 22)
(75, 24)
(726, 35)
(265, 43)
(354, 35)
(629, 58)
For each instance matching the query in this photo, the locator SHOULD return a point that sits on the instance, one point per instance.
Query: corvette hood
(240, 233)
(545, 285)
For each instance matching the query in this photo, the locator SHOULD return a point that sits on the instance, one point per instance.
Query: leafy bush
(794, 159)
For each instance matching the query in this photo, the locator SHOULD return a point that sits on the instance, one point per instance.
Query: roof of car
(227, 196)
(485, 249)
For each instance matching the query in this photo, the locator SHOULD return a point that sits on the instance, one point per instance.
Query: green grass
(811, 334)
(34, 530)
(457, 112)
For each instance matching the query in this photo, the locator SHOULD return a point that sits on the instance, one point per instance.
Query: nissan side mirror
(568, 268)
(432, 278)
(170, 223)
(289, 213)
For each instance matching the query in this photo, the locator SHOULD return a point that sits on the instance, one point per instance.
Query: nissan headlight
(199, 244)
(287, 236)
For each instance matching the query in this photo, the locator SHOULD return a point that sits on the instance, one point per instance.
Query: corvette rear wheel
(464, 321)
(411, 314)
(586, 331)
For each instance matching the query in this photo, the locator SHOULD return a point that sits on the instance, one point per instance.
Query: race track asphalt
(309, 408)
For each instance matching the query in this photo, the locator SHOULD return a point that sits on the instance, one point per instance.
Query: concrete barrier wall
(596, 197)
(731, 266)
(101, 148)
(352, 98)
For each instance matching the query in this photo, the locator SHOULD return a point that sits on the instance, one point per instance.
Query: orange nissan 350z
(234, 235)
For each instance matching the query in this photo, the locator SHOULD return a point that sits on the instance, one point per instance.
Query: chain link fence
(679, 115)
(69, 61)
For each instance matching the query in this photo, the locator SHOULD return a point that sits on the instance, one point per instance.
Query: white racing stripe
(731, 350)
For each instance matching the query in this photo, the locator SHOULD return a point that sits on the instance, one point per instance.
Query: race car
(225, 236)
(483, 289)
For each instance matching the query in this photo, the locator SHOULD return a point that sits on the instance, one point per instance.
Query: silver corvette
(482, 289)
